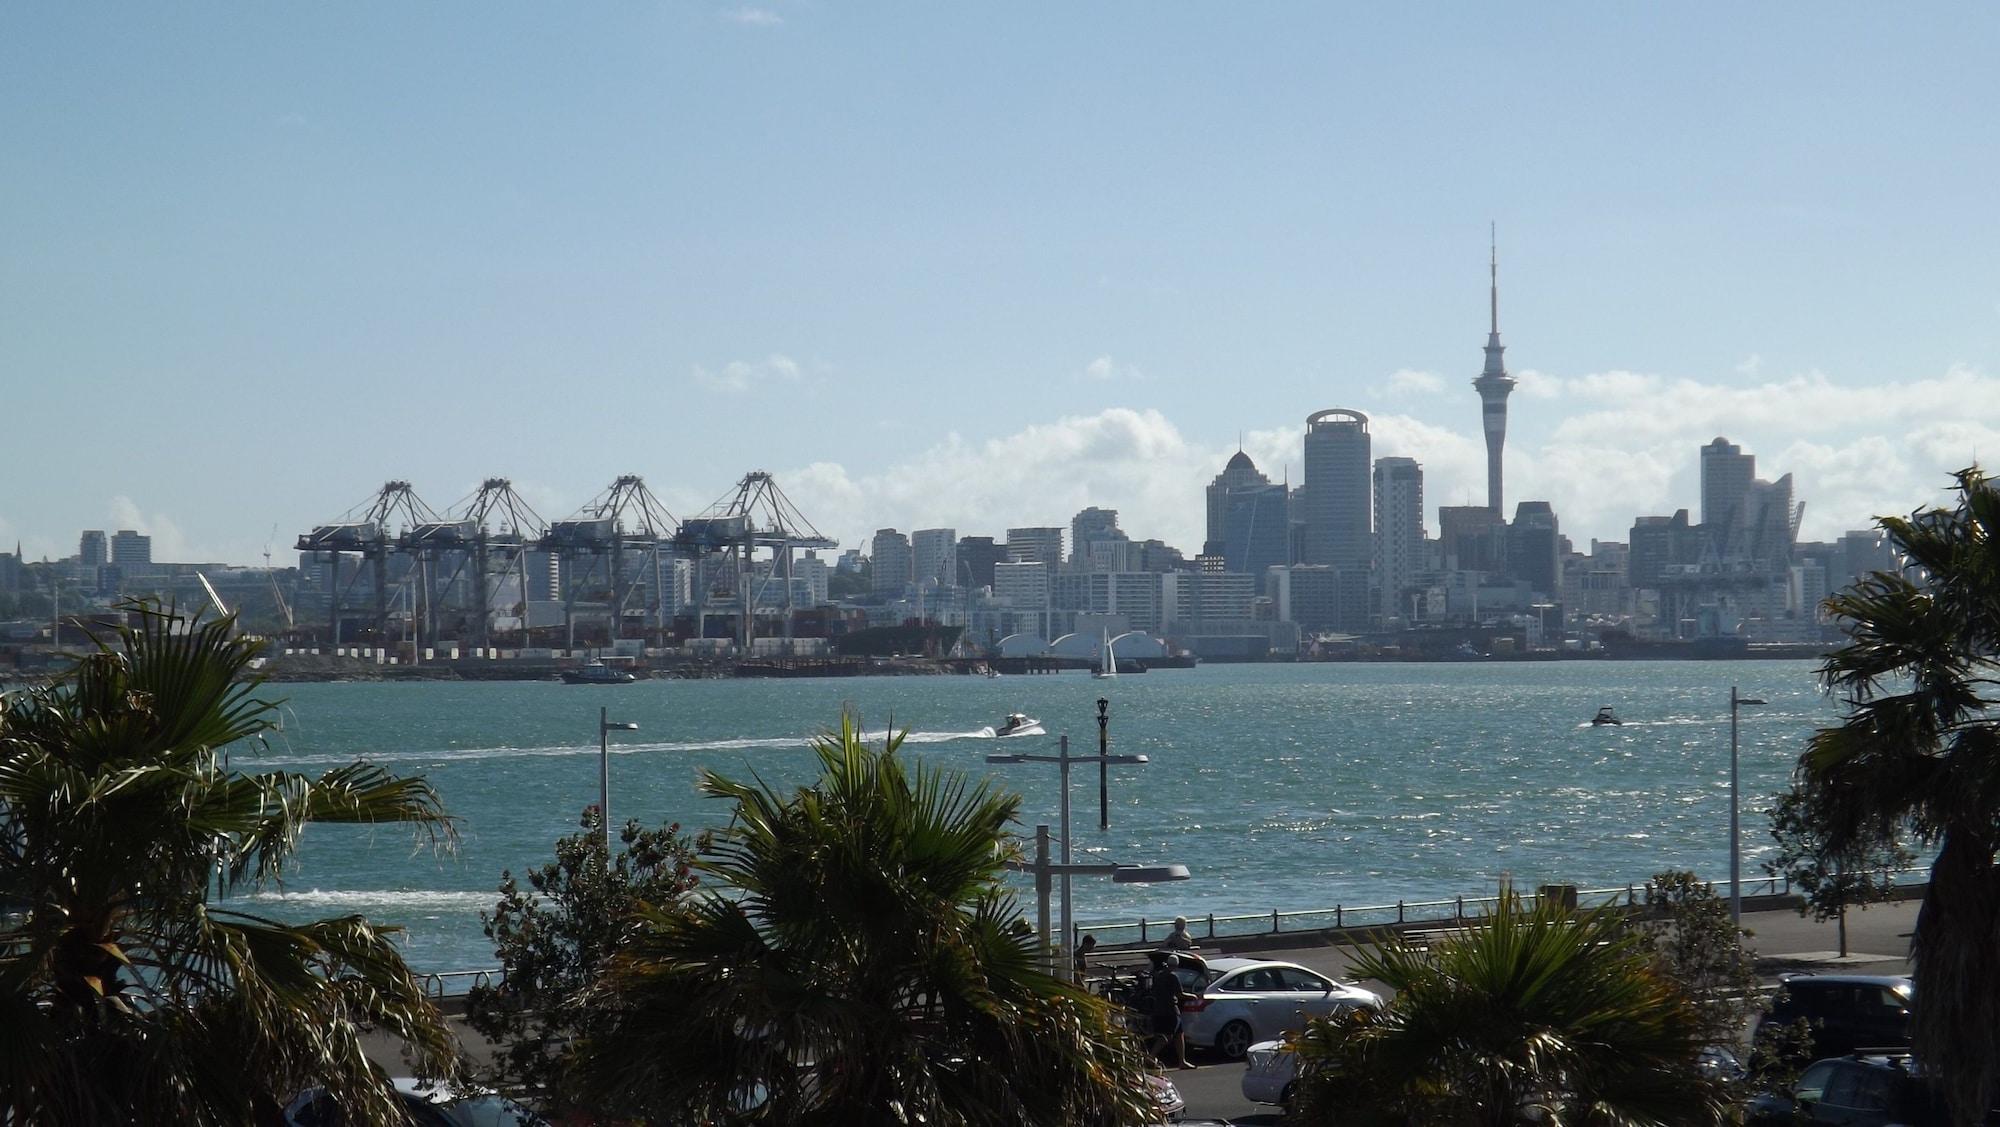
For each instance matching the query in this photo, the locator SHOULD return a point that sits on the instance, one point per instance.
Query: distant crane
(491, 525)
(756, 514)
(277, 595)
(627, 534)
(364, 531)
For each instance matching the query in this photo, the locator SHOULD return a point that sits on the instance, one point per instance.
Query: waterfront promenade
(1878, 943)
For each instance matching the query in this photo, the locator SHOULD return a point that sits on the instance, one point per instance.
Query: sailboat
(1107, 665)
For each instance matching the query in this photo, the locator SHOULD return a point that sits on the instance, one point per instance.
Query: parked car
(1166, 1097)
(1244, 1001)
(1273, 1074)
(1847, 1011)
(427, 1103)
(1862, 1090)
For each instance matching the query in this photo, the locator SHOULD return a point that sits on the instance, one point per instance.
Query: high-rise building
(1036, 545)
(1726, 474)
(1089, 527)
(1337, 460)
(1399, 530)
(1022, 584)
(1534, 548)
(129, 547)
(936, 556)
(1240, 473)
(1256, 528)
(1472, 538)
(1660, 544)
(92, 549)
(976, 557)
(1493, 385)
(892, 564)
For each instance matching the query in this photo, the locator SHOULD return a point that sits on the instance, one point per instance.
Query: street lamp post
(1046, 870)
(606, 726)
(1064, 760)
(1735, 825)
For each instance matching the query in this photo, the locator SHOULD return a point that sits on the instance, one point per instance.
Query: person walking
(1167, 996)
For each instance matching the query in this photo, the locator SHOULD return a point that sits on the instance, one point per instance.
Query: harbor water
(1279, 786)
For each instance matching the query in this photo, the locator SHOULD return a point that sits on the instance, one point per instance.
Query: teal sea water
(1280, 786)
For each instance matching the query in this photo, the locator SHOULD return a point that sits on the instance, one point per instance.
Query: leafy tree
(1534, 1015)
(554, 938)
(855, 958)
(127, 993)
(1919, 746)
(1698, 947)
(1831, 881)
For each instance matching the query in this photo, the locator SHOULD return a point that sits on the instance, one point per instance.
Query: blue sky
(979, 265)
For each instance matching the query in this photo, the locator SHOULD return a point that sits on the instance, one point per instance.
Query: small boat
(1605, 716)
(1019, 724)
(597, 673)
(1107, 665)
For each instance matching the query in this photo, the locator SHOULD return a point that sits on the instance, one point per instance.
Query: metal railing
(439, 985)
(1402, 913)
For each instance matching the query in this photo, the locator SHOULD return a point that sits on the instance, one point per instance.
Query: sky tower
(1493, 385)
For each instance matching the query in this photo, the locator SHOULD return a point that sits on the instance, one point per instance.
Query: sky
(980, 265)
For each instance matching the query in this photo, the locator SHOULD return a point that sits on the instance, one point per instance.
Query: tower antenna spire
(1493, 271)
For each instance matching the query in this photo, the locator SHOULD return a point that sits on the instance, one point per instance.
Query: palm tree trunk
(1842, 927)
(1956, 1024)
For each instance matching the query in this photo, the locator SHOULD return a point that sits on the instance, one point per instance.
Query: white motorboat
(1605, 716)
(1019, 724)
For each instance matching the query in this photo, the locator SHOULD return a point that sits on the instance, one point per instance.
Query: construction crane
(491, 526)
(277, 595)
(756, 514)
(365, 532)
(619, 541)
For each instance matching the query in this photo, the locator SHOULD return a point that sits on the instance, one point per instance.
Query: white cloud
(1106, 370)
(1751, 365)
(739, 376)
(1409, 381)
(753, 17)
(1628, 447)
(1537, 385)
(169, 543)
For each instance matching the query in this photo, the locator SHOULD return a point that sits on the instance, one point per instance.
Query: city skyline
(931, 271)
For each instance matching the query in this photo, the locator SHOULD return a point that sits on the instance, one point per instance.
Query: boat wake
(464, 754)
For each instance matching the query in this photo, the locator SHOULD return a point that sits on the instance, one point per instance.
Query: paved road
(1878, 939)
(1878, 942)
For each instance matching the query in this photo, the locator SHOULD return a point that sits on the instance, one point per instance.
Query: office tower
(1022, 584)
(1036, 545)
(1534, 548)
(1726, 474)
(976, 557)
(892, 562)
(1493, 385)
(1399, 529)
(92, 549)
(1660, 544)
(1240, 473)
(129, 547)
(1336, 506)
(1472, 538)
(1256, 528)
(936, 556)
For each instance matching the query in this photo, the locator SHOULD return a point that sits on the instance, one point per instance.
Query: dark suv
(1860, 1091)
(1847, 1011)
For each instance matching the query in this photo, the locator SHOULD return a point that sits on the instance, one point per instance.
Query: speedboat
(1019, 724)
(597, 673)
(1605, 716)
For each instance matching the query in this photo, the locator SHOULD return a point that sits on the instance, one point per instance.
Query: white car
(1273, 1074)
(1246, 1001)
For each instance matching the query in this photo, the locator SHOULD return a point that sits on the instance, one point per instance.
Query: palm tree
(127, 993)
(1532, 1016)
(1920, 746)
(856, 959)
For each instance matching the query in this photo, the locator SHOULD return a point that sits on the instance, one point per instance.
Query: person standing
(1179, 938)
(1084, 948)
(1167, 998)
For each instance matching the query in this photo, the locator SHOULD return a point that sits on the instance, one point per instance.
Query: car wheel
(1233, 1041)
